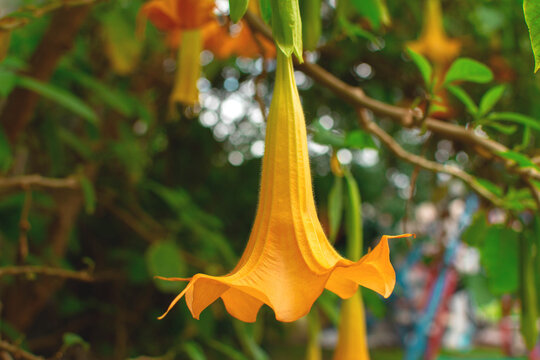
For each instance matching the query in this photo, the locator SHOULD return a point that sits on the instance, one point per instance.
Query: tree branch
(18, 352)
(405, 116)
(389, 142)
(47, 271)
(38, 182)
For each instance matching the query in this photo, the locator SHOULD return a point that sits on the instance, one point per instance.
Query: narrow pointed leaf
(423, 65)
(531, 8)
(237, 9)
(464, 98)
(516, 118)
(491, 98)
(61, 97)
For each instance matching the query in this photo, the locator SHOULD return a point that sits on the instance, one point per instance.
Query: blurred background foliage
(143, 191)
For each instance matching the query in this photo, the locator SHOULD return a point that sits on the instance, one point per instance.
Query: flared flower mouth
(288, 260)
(433, 42)
(168, 15)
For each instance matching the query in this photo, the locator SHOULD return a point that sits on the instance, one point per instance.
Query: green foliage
(490, 98)
(423, 65)
(310, 10)
(465, 69)
(374, 10)
(462, 95)
(499, 254)
(71, 339)
(531, 8)
(237, 9)
(287, 27)
(164, 259)
(335, 207)
(61, 97)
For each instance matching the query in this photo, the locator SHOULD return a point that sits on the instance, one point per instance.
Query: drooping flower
(186, 17)
(440, 50)
(288, 260)
(191, 25)
(433, 42)
(352, 340)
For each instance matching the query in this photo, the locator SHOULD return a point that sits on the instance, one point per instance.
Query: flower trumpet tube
(189, 69)
(288, 260)
(352, 341)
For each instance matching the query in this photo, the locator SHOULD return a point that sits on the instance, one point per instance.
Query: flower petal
(241, 305)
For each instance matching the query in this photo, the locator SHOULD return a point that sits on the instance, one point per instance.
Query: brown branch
(405, 116)
(17, 352)
(24, 14)
(38, 182)
(47, 271)
(24, 227)
(390, 143)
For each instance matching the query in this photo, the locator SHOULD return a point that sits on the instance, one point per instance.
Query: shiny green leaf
(515, 118)
(423, 65)
(237, 9)
(462, 96)
(531, 8)
(465, 69)
(491, 98)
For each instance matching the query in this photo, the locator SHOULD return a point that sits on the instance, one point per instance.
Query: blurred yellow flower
(352, 340)
(433, 42)
(187, 16)
(288, 260)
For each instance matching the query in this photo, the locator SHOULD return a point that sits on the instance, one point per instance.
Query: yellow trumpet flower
(288, 260)
(187, 16)
(352, 341)
(433, 42)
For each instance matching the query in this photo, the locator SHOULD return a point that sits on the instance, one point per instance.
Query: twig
(405, 116)
(38, 182)
(18, 352)
(390, 143)
(24, 226)
(47, 271)
(25, 14)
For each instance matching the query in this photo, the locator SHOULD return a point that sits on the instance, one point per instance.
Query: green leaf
(499, 255)
(335, 207)
(491, 98)
(112, 98)
(266, 10)
(75, 143)
(491, 187)
(163, 259)
(516, 118)
(287, 27)
(8, 80)
(520, 159)
(423, 65)
(505, 129)
(229, 351)
(311, 23)
(531, 8)
(6, 158)
(374, 10)
(465, 69)
(193, 350)
(61, 97)
(237, 9)
(89, 195)
(354, 31)
(71, 339)
(475, 234)
(359, 139)
(464, 98)
(528, 294)
(353, 215)
(326, 137)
